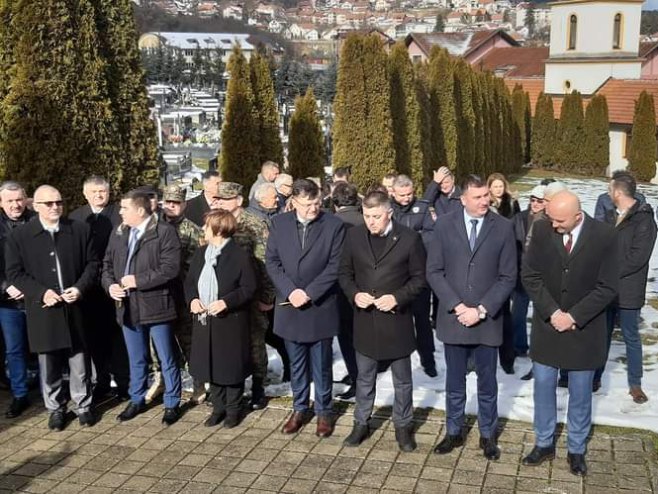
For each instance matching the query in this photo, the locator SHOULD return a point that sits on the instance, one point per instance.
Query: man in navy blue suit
(472, 268)
(302, 259)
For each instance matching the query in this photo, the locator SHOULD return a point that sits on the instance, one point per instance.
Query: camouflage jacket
(252, 235)
(190, 237)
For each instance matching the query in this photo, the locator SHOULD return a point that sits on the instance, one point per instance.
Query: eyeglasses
(539, 201)
(50, 204)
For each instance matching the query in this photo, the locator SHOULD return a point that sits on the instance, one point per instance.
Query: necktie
(132, 242)
(569, 243)
(474, 234)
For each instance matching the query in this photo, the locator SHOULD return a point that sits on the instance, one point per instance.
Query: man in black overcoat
(52, 261)
(198, 206)
(106, 345)
(571, 273)
(382, 272)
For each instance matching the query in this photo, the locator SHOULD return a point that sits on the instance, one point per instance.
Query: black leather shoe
(577, 464)
(231, 421)
(347, 395)
(448, 444)
(131, 411)
(538, 456)
(490, 448)
(508, 368)
(17, 407)
(215, 419)
(171, 416)
(405, 438)
(86, 419)
(357, 436)
(57, 420)
(596, 385)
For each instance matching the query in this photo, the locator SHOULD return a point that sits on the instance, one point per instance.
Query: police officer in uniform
(415, 214)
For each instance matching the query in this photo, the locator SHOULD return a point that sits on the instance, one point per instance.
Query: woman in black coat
(502, 201)
(219, 286)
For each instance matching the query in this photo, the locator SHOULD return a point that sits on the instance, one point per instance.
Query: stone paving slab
(144, 456)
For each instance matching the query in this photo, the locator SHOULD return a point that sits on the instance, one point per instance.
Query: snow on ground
(612, 405)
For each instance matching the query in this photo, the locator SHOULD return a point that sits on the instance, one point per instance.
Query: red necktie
(569, 243)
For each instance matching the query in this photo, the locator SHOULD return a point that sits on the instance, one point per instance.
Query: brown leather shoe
(638, 395)
(325, 427)
(294, 423)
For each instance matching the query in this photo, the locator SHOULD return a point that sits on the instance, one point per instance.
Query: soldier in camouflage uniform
(252, 235)
(190, 236)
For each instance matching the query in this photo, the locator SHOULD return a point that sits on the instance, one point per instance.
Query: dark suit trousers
(311, 362)
(366, 383)
(424, 333)
(485, 358)
(346, 336)
(506, 350)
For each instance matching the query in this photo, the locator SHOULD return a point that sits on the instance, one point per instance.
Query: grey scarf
(207, 284)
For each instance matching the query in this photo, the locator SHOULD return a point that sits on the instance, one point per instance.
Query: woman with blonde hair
(502, 201)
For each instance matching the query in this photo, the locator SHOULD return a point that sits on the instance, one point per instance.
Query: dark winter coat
(101, 224)
(442, 203)
(636, 237)
(155, 264)
(415, 215)
(6, 227)
(313, 269)
(582, 283)
(485, 276)
(30, 257)
(400, 271)
(221, 350)
(508, 206)
(350, 215)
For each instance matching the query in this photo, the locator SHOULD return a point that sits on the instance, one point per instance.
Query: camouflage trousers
(258, 323)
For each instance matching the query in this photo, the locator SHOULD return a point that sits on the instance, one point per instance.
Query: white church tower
(591, 41)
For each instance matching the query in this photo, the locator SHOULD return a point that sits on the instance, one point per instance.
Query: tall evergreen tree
(440, 24)
(137, 162)
(544, 129)
(306, 151)
(266, 111)
(527, 136)
(571, 133)
(54, 118)
(362, 128)
(519, 111)
(239, 155)
(442, 97)
(465, 117)
(597, 143)
(642, 153)
(407, 119)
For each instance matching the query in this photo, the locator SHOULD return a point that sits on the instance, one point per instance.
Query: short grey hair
(12, 186)
(269, 164)
(403, 181)
(260, 191)
(96, 180)
(283, 178)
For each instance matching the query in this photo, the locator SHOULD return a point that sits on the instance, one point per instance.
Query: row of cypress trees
(72, 96)
(579, 140)
(250, 133)
(392, 115)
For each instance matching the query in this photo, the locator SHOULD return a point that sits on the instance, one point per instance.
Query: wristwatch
(482, 312)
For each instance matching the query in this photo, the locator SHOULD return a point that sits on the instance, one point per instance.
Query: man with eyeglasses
(52, 261)
(13, 214)
(303, 255)
(283, 184)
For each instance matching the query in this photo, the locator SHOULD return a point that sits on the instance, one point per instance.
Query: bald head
(48, 204)
(564, 211)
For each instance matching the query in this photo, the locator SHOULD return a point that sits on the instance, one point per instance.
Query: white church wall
(595, 27)
(586, 77)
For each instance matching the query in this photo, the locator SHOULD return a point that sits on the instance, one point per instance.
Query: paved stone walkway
(143, 456)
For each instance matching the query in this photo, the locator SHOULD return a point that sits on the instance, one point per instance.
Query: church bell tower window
(573, 32)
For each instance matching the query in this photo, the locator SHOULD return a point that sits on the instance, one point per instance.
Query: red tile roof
(517, 62)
